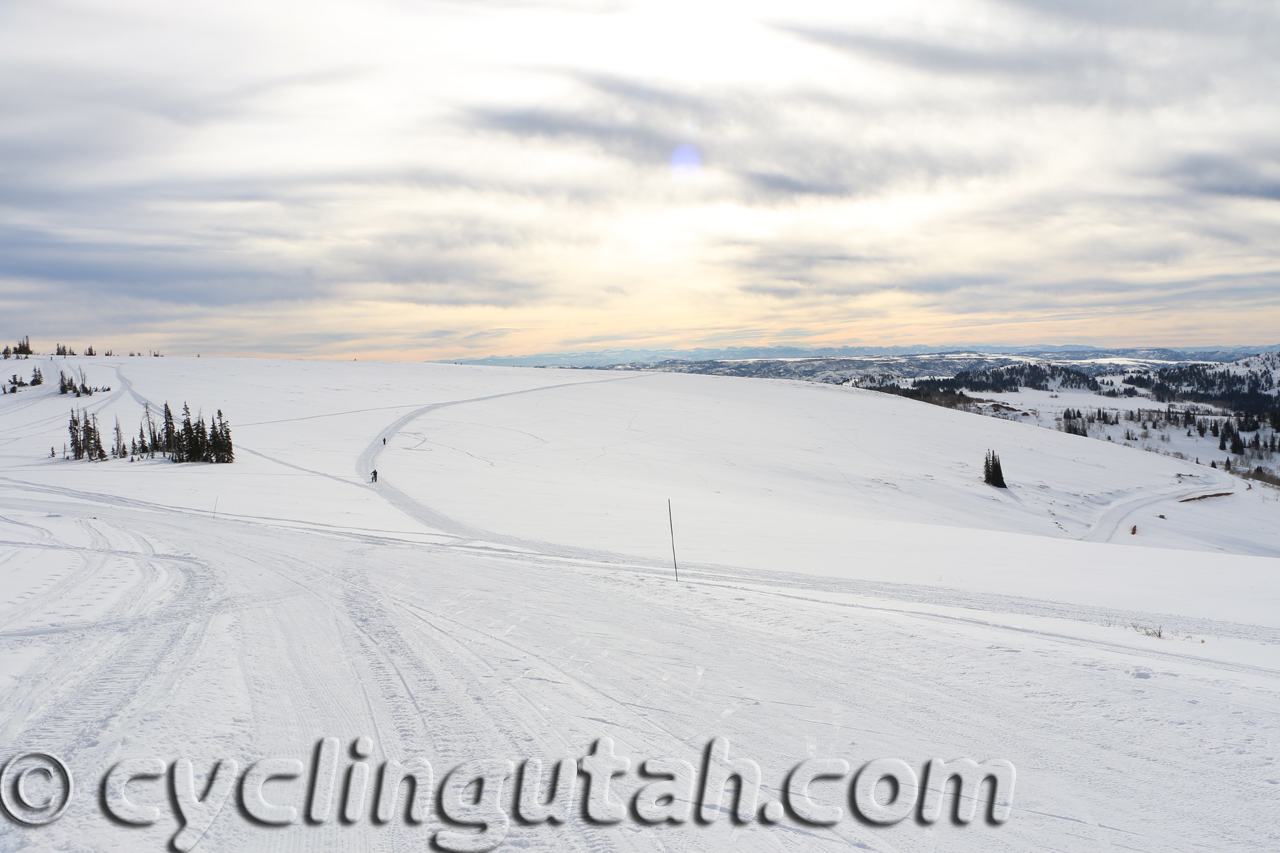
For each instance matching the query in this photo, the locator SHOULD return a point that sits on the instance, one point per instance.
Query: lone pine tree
(992, 474)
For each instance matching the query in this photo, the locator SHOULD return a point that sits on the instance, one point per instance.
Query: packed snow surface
(848, 589)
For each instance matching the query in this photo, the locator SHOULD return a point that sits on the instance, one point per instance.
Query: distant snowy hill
(1247, 385)
(890, 367)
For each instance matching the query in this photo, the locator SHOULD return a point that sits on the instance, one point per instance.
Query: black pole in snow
(672, 524)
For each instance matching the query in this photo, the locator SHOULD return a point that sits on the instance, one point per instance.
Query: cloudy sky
(410, 179)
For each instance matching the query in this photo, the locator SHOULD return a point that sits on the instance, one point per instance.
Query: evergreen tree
(96, 447)
(224, 452)
(37, 378)
(170, 431)
(77, 449)
(86, 441)
(153, 435)
(200, 441)
(118, 450)
(87, 435)
(992, 474)
(185, 436)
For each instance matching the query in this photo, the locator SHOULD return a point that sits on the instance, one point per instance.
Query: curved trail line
(1114, 517)
(368, 458)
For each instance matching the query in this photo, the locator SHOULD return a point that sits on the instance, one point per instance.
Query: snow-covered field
(849, 589)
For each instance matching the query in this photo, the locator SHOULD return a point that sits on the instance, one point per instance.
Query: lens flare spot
(685, 163)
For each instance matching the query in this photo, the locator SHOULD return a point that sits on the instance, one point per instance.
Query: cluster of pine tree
(1127, 392)
(86, 440)
(185, 441)
(37, 378)
(22, 348)
(1073, 422)
(69, 385)
(992, 474)
(1230, 436)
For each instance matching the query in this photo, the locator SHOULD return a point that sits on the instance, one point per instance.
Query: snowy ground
(848, 589)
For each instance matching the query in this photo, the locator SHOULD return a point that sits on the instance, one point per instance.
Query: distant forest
(1010, 378)
(1250, 391)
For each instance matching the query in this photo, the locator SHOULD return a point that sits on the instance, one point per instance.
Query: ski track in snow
(139, 628)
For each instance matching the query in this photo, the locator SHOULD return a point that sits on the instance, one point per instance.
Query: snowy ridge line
(996, 602)
(480, 542)
(92, 497)
(111, 552)
(392, 537)
(987, 623)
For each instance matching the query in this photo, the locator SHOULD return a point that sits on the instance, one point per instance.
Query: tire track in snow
(73, 701)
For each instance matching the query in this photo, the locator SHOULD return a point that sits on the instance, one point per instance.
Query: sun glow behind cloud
(414, 179)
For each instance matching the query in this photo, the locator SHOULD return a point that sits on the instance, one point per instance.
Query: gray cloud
(766, 142)
(989, 58)
(1253, 175)
(1257, 20)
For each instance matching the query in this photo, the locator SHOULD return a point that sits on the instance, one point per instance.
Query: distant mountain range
(947, 354)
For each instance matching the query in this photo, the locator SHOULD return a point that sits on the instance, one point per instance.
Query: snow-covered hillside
(849, 589)
(1265, 364)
